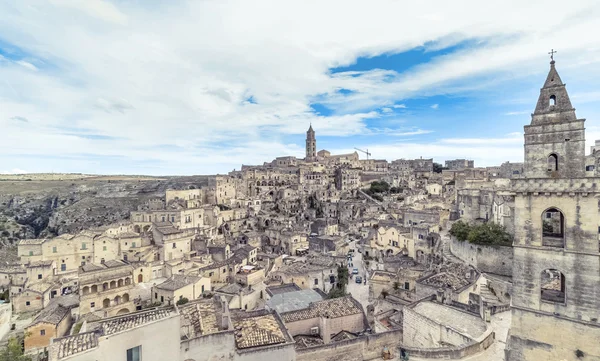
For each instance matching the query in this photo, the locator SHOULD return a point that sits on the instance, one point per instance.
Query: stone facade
(555, 309)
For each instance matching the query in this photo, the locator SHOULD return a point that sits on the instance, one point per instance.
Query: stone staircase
(489, 297)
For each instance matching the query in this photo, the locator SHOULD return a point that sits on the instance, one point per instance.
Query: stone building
(106, 288)
(54, 321)
(459, 164)
(556, 266)
(178, 287)
(153, 334)
(326, 318)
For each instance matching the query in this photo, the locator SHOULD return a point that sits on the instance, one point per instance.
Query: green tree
(396, 285)
(380, 187)
(460, 230)
(343, 275)
(489, 234)
(336, 292)
(384, 293)
(13, 351)
(182, 301)
(437, 168)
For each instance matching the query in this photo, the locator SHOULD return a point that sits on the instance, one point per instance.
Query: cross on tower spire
(552, 52)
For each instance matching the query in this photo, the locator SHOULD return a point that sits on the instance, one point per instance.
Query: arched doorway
(122, 311)
(140, 278)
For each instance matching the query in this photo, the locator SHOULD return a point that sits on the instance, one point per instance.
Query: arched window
(126, 297)
(552, 162)
(86, 290)
(553, 228)
(113, 284)
(553, 286)
(106, 303)
(552, 101)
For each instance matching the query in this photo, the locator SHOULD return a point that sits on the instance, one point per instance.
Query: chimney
(324, 329)
(439, 296)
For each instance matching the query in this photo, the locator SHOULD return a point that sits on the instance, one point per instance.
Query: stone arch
(553, 228)
(553, 286)
(552, 100)
(104, 286)
(389, 252)
(85, 290)
(120, 283)
(106, 303)
(146, 228)
(127, 281)
(118, 300)
(123, 311)
(113, 284)
(126, 297)
(552, 162)
(136, 228)
(94, 289)
(140, 278)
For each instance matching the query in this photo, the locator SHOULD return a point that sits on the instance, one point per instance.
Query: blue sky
(130, 87)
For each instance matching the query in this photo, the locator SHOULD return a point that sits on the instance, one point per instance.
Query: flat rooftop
(462, 322)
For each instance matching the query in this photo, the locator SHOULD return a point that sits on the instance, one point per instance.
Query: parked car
(355, 271)
(358, 279)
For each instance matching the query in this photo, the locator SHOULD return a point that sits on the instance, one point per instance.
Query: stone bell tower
(555, 301)
(555, 139)
(311, 145)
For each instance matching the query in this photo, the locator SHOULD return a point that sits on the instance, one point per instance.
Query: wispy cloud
(20, 119)
(228, 96)
(517, 113)
(435, 106)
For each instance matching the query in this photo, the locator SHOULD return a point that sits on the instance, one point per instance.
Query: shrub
(182, 301)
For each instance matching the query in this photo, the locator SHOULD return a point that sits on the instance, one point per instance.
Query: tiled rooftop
(52, 314)
(72, 345)
(176, 282)
(258, 331)
(119, 324)
(31, 241)
(199, 318)
(332, 308)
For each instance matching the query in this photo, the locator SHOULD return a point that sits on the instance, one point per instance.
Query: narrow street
(359, 291)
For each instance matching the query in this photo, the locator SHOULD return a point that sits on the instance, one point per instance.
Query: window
(316, 281)
(406, 285)
(589, 168)
(92, 304)
(202, 288)
(155, 295)
(31, 253)
(552, 100)
(27, 303)
(162, 299)
(553, 286)
(63, 267)
(552, 162)
(42, 332)
(104, 248)
(39, 277)
(133, 244)
(553, 228)
(83, 246)
(174, 245)
(134, 354)
(53, 249)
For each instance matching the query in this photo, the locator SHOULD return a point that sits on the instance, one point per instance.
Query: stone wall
(5, 315)
(367, 347)
(488, 259)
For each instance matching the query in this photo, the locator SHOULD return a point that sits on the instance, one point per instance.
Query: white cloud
(517, 113)
(114, 72)
(435, 106)
(14, 171)
(27, 65)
